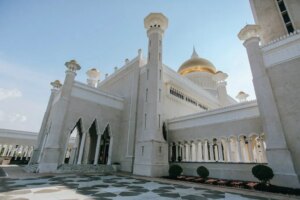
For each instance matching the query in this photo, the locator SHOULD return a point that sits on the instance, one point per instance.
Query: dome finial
(194, 55)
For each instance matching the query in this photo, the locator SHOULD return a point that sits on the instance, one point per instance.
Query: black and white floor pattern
(83, 187)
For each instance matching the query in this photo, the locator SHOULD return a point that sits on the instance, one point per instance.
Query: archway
(73, 144)
(92, 143)
(104, 146)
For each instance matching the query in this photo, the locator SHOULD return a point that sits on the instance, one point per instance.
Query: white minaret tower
(151, 149)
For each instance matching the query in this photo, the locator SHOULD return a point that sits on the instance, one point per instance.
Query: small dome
(196, 64)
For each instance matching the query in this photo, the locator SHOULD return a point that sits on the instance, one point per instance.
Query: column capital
(93, 77)
(72, 66)
(249, 32)
(156, 22)
(56, 85)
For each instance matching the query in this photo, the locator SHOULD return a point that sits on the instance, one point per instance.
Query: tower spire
(194, 55)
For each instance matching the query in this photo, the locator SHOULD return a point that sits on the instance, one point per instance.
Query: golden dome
(196, 64)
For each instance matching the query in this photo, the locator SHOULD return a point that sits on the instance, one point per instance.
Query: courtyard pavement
(105, 187)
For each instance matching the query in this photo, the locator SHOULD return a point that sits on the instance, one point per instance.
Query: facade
(147, 116)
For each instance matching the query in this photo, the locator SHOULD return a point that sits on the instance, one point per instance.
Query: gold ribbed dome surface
(196, 64)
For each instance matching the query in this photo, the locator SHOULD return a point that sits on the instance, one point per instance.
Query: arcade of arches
(90, 147)
(19, 154)
(251, 149)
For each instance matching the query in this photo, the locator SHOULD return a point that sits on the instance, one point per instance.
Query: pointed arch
(91, 142)
(106, 146)
(73, 143)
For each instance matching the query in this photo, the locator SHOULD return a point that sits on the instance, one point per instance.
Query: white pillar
(9, 150)
(264, 151)
(239, 150)
(229, 157)
(82, 142)
(250, 149)
(97, 149)
(216, 152)
(13, 150)
(195, 159)
(211, 151)
(220, 154)
(187, 152)
(177, 151)
(193, 152)
(5, 150)
(206, 150)
(199, 151)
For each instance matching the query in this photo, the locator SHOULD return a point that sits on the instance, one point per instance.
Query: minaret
(220, 79)
(151, 148)
(93, 77)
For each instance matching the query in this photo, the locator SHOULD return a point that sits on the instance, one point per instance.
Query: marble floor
(88, 187)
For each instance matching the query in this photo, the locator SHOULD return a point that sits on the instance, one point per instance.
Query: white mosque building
(146, 116)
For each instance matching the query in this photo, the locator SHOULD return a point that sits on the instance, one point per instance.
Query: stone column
(211, 151)
(97, 149)
(239, 150)
(229, 159)
(250, 145)
(192, 151)
(5, 150)
(13, 150)
(183, 152)
(200, 152)
(177, 148)
(82, 142)
(206, 151)
(220, 154)
(187, 152)
(196, 151)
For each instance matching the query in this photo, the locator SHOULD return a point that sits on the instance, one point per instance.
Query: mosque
(145, 116)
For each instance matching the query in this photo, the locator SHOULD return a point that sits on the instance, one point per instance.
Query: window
(145, 120)
(160, 74)
(285, 16)
(190, 100)
(159, 121)
(147, 74)
(142, 150)
(160, 149)
(146, 98)
(159, 94)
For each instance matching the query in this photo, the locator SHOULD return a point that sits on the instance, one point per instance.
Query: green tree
(263, 173)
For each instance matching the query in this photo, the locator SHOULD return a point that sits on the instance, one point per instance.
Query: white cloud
(17, 117)
(9, 93)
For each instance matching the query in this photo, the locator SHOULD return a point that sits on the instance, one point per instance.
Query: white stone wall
(285, 83)
(125, 83)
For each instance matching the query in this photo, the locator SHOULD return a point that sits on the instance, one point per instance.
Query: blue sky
(38, 36)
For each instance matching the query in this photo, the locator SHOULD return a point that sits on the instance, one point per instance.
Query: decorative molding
(281, 50)
(231, 113)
